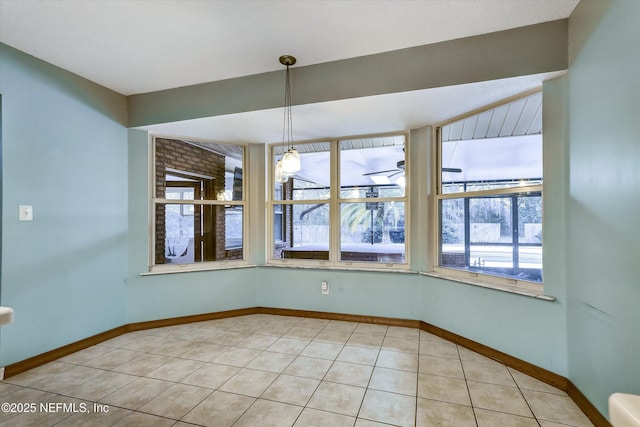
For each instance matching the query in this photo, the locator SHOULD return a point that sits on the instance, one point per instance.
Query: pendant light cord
(287, 126)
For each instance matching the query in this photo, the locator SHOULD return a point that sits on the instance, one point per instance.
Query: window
(346, 207)
(490, 194)
(198, 203)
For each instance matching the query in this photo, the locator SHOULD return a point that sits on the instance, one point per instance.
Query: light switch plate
(25, 213)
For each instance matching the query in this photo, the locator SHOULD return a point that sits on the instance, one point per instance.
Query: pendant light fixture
(289, 164)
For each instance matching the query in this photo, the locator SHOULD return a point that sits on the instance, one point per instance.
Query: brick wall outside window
(185, 157)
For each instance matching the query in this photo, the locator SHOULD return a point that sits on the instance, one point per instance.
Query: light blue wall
(604, 201)
(351, 292)
(65, 153)
(524, 327)
(171, 295)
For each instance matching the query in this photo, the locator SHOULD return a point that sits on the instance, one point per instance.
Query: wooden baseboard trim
(172, 321)
(537, 372)
(534, 371)
(389, 321)
(50, 356)
(586, 406)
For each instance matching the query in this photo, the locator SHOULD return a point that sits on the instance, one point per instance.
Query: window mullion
(467, 232)
(515, 234)
(495, 191)
(198, 202)
(334, 204)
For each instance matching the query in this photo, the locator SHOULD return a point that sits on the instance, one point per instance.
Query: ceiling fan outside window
(382, 174)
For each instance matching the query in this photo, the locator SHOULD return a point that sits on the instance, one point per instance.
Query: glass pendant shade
(291, 162)
(280, 177)
(296, 157)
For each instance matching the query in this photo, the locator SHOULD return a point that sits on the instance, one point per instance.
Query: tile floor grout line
(523, 397)
(369, 381)
(466, 383)
(415, 419)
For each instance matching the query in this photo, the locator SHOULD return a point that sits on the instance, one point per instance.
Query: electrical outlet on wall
(325, 288)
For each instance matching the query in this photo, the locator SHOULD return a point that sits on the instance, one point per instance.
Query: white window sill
(190, 268)
(514, 289)
(340, 268)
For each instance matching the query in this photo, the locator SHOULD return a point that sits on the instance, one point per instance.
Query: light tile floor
(267, 370)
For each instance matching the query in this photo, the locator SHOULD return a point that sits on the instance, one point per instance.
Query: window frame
(154, 268)
(334, 202)
(478, 278)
